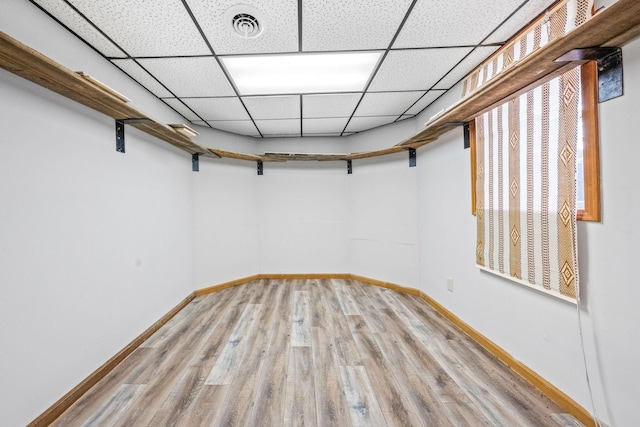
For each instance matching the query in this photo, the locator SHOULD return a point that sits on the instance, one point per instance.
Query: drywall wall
(225, 221)
(609, 251)
(95, 245)
(536, 329)
(302, 223)
(383, 238)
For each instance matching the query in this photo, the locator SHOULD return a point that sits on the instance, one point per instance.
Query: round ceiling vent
(245, 21)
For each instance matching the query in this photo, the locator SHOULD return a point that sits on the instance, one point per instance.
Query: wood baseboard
(555, 394)
(55, 410)
(225, 285)
(387, 285)
(276, 276)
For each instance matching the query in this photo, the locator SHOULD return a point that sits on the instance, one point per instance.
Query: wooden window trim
(591, 143)
(590, 148)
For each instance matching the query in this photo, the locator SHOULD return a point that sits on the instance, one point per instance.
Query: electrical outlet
(450, 284)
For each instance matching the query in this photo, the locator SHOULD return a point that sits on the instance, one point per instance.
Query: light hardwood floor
(311, 352)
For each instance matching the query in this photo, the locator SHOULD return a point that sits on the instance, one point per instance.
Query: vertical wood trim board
(55, 410)
(559, 397)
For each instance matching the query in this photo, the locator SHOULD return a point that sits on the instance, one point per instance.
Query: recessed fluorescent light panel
(301, 73)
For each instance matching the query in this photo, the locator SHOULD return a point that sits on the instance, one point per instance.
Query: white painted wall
(383, 234)
(303, 218)
(225, 221)
(537, 329)
(95, 245)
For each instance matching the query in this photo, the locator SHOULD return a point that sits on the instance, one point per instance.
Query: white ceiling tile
(80, 26)
(324, 126)
(278, 17)
(415, 69)
(190, 76)
(519, 20)
(387, 103)
(130, 67)
(218, 108)
(453, 23)
(339, 105)
(359, 124)
(431, 96)
(350, 25)
(181, 108)
(146, 28)
(273, 107)
(279, 127)
(466, 66)
(406, 117)
(322, 134)
(242, 127)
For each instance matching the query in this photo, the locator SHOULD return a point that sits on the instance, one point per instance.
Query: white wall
(95, 245)
(537, 329)
(383, 234)
(609, 252)
(225, 221)
(303, 218)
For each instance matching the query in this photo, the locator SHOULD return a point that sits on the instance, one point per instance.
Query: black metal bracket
(120, 130)
(610, 83)
(349, 167)
(195, 162)
(120, 136)
(467, 137)
(412, 157)
(609, 59)
(260, 167)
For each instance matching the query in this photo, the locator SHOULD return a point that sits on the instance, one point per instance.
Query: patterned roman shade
(525, 187)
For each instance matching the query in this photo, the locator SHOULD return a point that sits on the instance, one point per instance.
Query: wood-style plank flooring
(311, 352)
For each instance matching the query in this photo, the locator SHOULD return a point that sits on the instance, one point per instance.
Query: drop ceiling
(174, 48)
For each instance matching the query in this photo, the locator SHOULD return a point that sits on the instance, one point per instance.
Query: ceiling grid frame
(480, 44)
(127, 56)
(195, 21)
(436, 88)
(384, 55)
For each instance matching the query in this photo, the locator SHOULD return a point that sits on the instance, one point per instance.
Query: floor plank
(300, 398)
(225, 368)
(112, 410)
(361, 400)
(306, 353)
(301, 333)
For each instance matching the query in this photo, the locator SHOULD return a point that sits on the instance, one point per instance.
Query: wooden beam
(233, 155)
(283, 157)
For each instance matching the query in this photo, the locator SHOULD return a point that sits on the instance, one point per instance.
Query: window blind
(526, 190)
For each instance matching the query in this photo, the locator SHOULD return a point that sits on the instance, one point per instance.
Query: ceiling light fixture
(301, 73)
